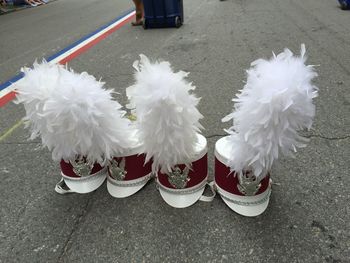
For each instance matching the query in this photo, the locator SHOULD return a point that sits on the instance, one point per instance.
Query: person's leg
(139, 12)
(142, 9)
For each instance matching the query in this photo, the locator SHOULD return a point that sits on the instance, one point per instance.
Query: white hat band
(130, 183)
(88, 178)
(184, 191)
(245, 200)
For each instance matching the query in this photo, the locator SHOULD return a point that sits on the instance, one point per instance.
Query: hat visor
(122, 191)
(86, 184)
(179, 200)
(251, 210)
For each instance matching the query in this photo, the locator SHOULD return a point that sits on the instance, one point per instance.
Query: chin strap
(210, 198)
(204, 198)
(214, 190)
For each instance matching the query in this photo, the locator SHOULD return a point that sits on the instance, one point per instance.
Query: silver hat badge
(81, 168)
(248, 185)
(117, 169)
(178, 178)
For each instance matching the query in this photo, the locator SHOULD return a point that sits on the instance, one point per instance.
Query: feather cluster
(73, 114)
(167, 116)
(273, 106)
(34, 90)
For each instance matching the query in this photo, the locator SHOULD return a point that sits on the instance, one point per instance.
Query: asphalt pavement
(308, 216)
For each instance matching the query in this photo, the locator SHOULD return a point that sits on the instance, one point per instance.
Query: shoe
(62, 188)
(139, 19)
(137, 23)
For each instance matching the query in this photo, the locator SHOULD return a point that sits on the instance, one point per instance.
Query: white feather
(33, 91)
(167, 117)
(76, 117)
(275, 103)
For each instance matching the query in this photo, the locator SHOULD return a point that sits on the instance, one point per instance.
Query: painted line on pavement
(7, 89)
(11, 130)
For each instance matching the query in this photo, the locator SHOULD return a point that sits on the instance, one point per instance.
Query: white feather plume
(167, 117)
(76, 117)
(34, 90)
(273, 106)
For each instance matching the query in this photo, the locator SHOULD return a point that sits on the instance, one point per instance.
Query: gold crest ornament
(81, 168)
(117, 169)
(178, 178)
(248, 185)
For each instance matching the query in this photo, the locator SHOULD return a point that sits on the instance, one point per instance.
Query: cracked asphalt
(308, 216)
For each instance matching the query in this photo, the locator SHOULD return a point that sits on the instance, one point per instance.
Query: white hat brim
(123, 191)
(246, 210)
(85, 185)
(181, 200)
(249, 211)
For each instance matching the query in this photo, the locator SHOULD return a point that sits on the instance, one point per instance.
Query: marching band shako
(77, 120)
(168, 125)
(244, 194)
(82, 177)
(75, 115)
(128, 174)
(185, 184)
(274, 105)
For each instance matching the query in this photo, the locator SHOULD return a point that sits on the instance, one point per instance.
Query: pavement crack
(327, 138)
(20, 143)
(76, 224)
(306, 136)
(215, 135)
(310, 15)
(316, 42)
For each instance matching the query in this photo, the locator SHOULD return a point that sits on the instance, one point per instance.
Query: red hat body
(128, 174)
(184, 185)
(82, 177)
(244, 194)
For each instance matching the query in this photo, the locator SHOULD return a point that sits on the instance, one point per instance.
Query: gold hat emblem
(117, 169)
(248, 185)
(81, 168)
(178, 178)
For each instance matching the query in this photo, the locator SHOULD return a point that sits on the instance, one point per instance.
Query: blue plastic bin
(163, 13)
(344, 4)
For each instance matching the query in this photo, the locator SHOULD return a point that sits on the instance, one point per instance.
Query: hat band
(184, 191)
(129, 183)
(90, 177)
(259, 199)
